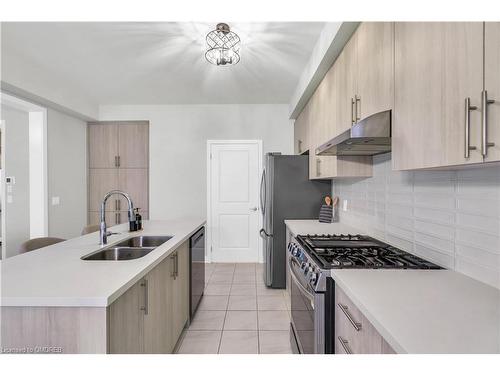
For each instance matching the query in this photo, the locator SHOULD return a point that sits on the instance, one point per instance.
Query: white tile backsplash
(449, 217)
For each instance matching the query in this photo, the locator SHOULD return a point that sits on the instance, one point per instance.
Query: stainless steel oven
(311, 328)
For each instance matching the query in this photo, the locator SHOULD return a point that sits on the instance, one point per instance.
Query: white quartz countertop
(56, 276)
(426, 311)
(419, 311)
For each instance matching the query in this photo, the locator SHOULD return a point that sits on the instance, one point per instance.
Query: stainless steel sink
(131, 248)
(144, 241)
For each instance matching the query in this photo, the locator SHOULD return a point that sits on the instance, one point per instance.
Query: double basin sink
(131, 248)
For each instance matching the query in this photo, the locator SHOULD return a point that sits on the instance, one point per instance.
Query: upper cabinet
(301, 132)
(440, 118)
(492, 89)
(374, 68)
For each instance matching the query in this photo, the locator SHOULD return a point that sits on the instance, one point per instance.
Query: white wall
(67, 174)
(449, 217)
(16, 214)
(178, 135)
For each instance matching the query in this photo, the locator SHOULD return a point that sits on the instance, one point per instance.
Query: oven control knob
(303, 266)
(314, 278)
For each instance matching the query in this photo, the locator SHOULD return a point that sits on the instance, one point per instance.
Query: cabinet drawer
(354, 333)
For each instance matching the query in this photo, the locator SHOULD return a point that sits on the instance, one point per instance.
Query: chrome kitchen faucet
(103, 234)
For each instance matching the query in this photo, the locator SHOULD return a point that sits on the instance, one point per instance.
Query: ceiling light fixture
(223, 46)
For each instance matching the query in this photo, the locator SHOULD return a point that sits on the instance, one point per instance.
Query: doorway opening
(24, 196)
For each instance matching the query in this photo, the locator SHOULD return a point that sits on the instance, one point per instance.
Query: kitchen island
(52, 298)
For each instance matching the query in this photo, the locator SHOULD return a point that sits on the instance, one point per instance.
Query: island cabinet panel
(492, 87)
(126, 321)
(62, 330)
(151, 315)
(180, 291)
(158, 332)
(438, 65)
(354, 332)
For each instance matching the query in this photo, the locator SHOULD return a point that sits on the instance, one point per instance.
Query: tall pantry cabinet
(118, 158)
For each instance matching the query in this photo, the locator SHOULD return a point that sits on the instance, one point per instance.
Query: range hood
(370, 136)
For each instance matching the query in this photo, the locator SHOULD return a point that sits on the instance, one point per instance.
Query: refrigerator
(286, 193)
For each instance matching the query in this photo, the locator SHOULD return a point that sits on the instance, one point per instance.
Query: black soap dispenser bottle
(138, 219)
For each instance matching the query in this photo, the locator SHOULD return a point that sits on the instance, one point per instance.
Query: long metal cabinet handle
(300, 146)
(116, 161)
(468, 108)
(484, 122)
(353, 119)
(357, 326)
(358, 113)
(176, 265)
(263, 193)
(117, 220)
(318, 163)
(145, 308)
(345, 344)
(119, 161)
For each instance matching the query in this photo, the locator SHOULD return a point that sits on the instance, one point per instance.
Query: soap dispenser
(138, 219)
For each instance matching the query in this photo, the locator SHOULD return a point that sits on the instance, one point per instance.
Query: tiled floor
(238, 314)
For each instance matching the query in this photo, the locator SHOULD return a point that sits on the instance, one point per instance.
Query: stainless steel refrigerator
(285, 193)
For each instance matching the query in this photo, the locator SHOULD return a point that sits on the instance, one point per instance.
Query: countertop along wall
(178, 141)
(449, 217)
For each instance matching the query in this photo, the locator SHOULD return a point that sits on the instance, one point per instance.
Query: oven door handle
(306, 292)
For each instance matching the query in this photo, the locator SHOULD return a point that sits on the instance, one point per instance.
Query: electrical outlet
(344, 205)
(9, 199)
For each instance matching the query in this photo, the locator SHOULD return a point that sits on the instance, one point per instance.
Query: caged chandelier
(223, 46)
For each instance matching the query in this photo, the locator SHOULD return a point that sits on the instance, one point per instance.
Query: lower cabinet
(354, 334)
(150, 316)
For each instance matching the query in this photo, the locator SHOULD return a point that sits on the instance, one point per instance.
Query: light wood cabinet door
(346, 66)
(126, 322)
(437, 66)
(134, 181)
(95, 218)
(180, 291)
(158, 333)
(103, 145)
(374, 67)
(102, 181)
(301, 139)
(133, 144)
(492, 87)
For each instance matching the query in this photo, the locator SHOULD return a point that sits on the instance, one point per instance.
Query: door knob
(253, 209)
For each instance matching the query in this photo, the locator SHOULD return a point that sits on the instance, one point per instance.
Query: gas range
(359, 251)
(311, 257)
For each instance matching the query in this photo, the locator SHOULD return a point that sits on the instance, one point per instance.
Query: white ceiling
(163, 62)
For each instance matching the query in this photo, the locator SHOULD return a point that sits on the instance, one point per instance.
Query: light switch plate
(344, 205)
(55, 201)
(9, 199)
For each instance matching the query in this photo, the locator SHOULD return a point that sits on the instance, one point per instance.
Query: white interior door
(234, 216)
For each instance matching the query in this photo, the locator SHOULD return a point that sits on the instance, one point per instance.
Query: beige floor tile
(274, 342)
(221, 278)
(263, 290)
(200, 342)
(245, 267)
(243, 290)
(274, 320)
(208, 321)
(244, 278)
(214, 303)
(224, 266)
(241, 321)
(242, 303)
(271, 303)
(217, 289)
(239, 342)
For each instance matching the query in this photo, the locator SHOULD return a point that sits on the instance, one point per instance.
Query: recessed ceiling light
(223, 46)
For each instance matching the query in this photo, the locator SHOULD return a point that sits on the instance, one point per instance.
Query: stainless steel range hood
(370, 136)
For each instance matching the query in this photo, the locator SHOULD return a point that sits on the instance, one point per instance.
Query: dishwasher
(196, 270)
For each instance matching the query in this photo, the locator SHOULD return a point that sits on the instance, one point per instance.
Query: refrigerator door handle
(263, 192)
(264, 234)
